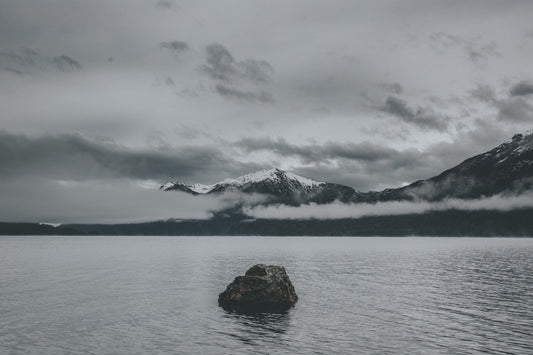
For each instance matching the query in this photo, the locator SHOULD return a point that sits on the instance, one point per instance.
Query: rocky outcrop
(262, 289)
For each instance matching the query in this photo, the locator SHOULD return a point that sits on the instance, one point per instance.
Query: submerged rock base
(262, 289)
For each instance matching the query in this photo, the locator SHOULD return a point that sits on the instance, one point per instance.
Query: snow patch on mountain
(200, 188)
(271, 175)
(274, 175)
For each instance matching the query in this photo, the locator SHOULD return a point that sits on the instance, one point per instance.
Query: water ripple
(158, 295)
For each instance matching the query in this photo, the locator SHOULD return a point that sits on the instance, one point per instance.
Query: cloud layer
(28, 60)
(76, 157)
(423, 118)
(341, 211)
(522, 88)
(237, 79)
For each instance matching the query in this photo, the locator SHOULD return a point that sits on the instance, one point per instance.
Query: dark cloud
(255, 70)
(476, 50)
(223, 67)
(21, 60)
(157, 140)
(242, 80)
(176, 46)
(424, 118)
(261, 96)
(78, 158)
(66, 63)
(27, 59)
(515, 109)
(280, 147)
(398, 108)
(484, 93)
(480, 53)
(220, 63)
(25, 56)
(523, 88)
(318, 153)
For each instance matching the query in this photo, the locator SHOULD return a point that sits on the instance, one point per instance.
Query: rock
(262, 289)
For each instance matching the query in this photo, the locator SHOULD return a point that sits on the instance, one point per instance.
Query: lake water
(158, 295)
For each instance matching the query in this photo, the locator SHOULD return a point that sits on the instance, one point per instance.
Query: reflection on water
(276, 322)
(138, 295)
(255, 329)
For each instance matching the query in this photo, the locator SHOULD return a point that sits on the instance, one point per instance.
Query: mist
(340, 210)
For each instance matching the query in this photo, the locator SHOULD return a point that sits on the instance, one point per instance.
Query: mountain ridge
(281, 186)
(506, 169)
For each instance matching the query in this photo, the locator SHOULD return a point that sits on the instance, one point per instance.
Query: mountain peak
(273, 175)
(525, 138)
(519, 144)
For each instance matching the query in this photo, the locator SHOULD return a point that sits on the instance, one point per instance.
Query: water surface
(158, 295)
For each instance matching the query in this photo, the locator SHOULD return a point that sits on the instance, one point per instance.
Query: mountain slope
(281, 186)
(506, 169)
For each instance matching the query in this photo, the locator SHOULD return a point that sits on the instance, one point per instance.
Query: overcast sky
(131, 93)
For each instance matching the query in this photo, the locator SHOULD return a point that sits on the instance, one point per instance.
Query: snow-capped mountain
(280, 186)
(506, 169)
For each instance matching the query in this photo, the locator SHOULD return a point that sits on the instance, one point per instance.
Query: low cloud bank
(339, 210)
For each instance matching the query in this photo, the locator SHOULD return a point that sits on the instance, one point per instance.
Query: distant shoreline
(485, 223)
